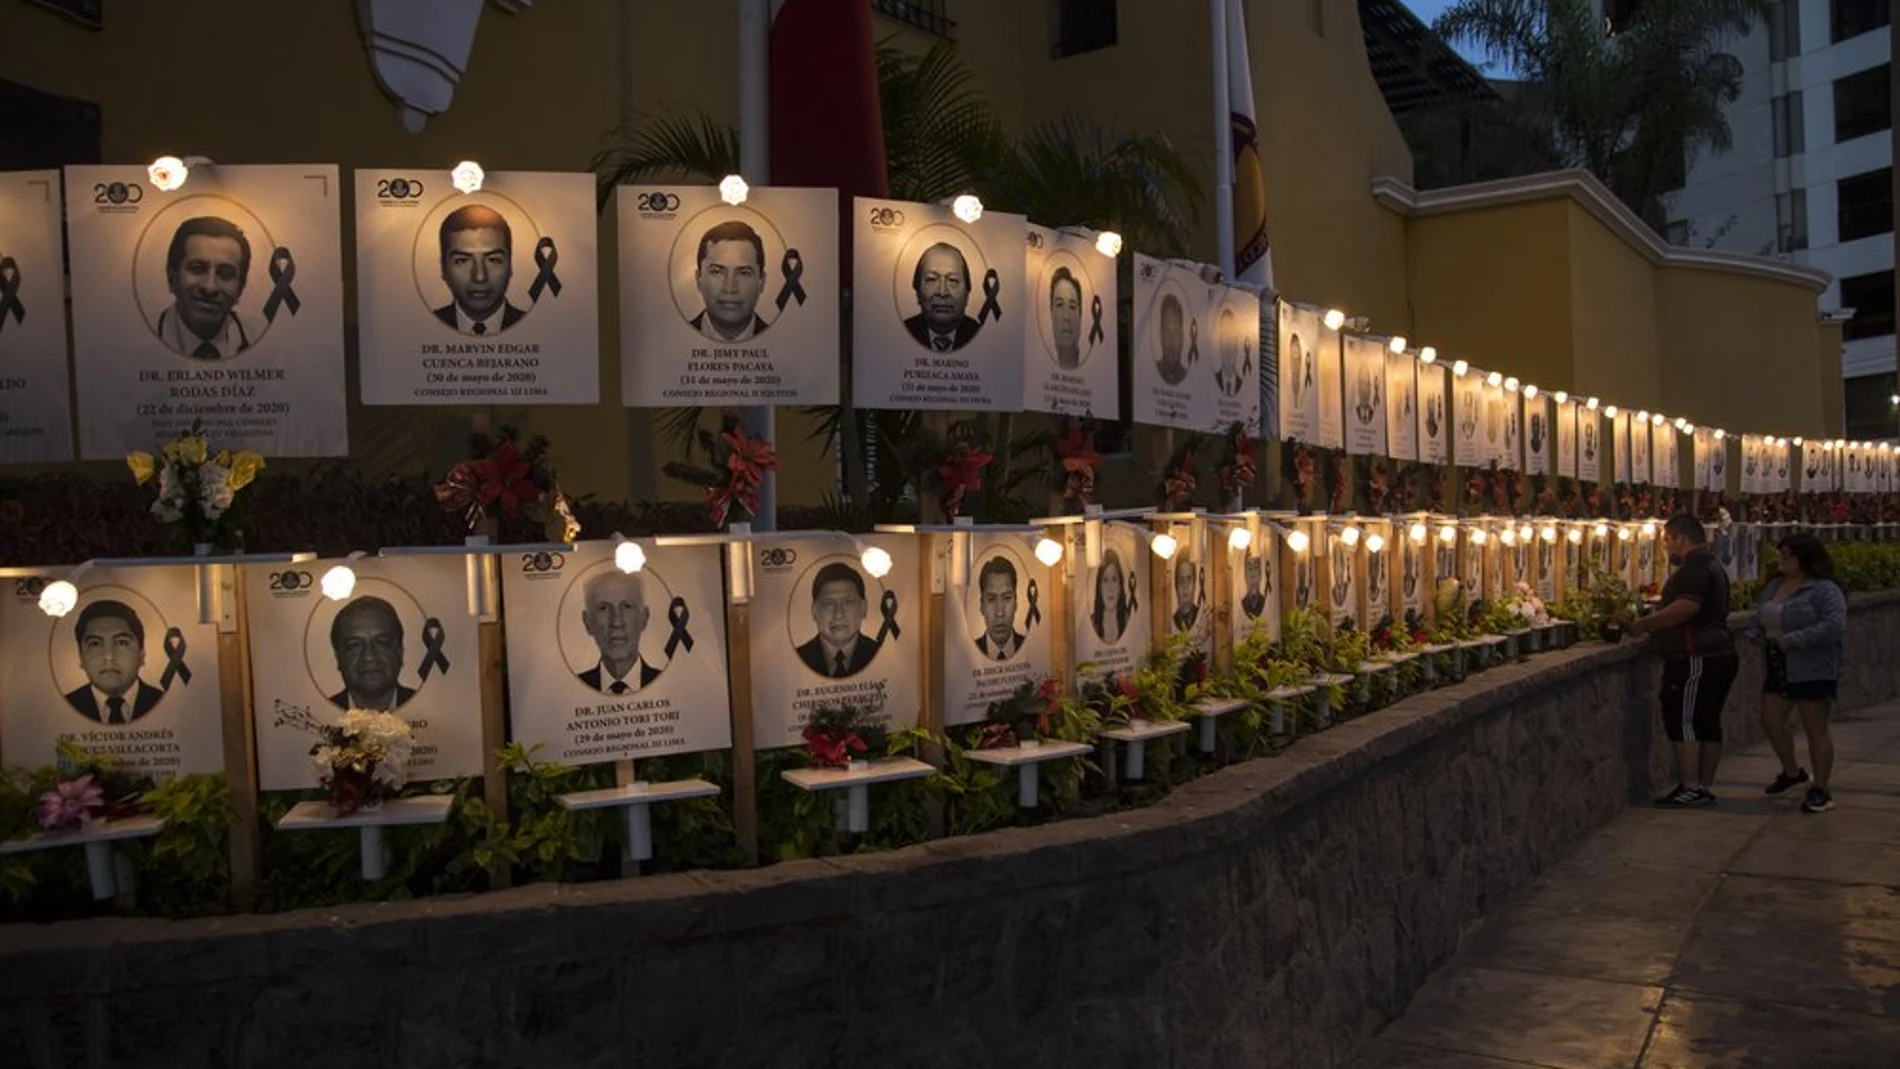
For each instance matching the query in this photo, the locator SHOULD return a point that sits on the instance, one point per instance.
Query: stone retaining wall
(1271, 914)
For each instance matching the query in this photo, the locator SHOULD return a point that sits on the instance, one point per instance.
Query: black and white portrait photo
(1172, 332)
(825, 630)
(1187, 595)
(728, 303)
(1175, 352)
(1189, 610)
(839, 649)
(111, 641)
(997, 586)
(997, 626)
(1299, 411)
(1255, 586)
(1109, 602)
(1433, 427)
(1072, 331)
(1232, 344)
(477, 255)
(480, 297)
(605, 664)
(614, 613)
(128, 672)
(34, 406)
(1114, 600)
(400, 641)
(1365, 374)
(207, 268)
(1401, 405)
(937, 293)
(220, 300)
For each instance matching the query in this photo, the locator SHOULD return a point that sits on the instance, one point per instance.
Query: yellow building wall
(1492, 286)
(1742, 353)
(1614, 301)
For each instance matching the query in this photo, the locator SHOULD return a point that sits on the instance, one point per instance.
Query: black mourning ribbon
(1134, 599)
(889, 629)
(1035, 609)
(678, 615)
(175, 666)
(283, 271)
(1095, 320)
(792, 266)
(545, 257)
(10, 292)
(1194, 341)
(991, 287)
(433, 659)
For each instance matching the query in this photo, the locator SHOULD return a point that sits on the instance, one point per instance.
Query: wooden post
(745, 788)
(932, 594)
(1061, 612)
(240, 733)
(494, 728)
(1219, 556)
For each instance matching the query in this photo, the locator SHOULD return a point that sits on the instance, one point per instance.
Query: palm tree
(942, 137)
(1634, 107)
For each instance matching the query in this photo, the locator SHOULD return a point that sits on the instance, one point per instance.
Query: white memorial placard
(35, 413)
(1434, 415)
(129, 672)
(1254, 581)
(934, 308)
(1113, 627)
(1190, 589)
(1365, 396)
(220, 301)
(1468, 410)
(728, 304)
(1300, 330)
(1589, 444)
(1236, 320)
(402, 642)
(1537, 445)
(1511, 448)
(1565, 424)
(1326, 357)
(1620, 433)
(1071, 336)
(1640, 453)
(1718, 465)
(996, 633)
(1401, 405)
(1493, 446)
(605, 665)
(825, 631)
(1174, 346)
(489, 297)
(1342, 601)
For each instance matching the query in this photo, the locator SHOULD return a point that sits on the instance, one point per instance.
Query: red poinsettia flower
(1079, 461)
(960, 472)
(503, 478)
(748, 458)
(832, 751)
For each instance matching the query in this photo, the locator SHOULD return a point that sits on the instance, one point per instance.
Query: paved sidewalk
(1746, 936)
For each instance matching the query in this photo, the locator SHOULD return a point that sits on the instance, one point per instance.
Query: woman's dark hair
(1811, 554)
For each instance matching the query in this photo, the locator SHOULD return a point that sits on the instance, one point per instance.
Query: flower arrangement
(1303, 476)
(1176, 489)
(512, 484)
(1027, 715)
(835, 732)
(1076, 461)
(738, 461)
(1342, 484)
(1237, 469)
(1377, 487)
(87, 788)
(961, 470)
(1527, 607)
(361, 760)
(198, 490)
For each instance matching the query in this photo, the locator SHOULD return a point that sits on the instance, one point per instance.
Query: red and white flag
(1253, 253)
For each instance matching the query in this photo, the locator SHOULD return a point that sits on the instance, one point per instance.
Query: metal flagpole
(755, 31)
(1223, 140)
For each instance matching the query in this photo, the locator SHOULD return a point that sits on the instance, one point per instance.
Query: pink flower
(70, 804)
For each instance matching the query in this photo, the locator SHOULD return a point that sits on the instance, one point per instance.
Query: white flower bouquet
(198, 490)
(361, 760)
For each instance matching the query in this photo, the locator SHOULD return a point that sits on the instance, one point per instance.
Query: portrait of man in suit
(1254, 571)
(840, 649)
(1065, 318)
(1228, 376)
(730, 274)
(477, 265)
(206, 269)
(615, 613)
(941, 281)
(996, 589)
(1187, 602)
(367, 638)
(1173, 334)
(111, 640)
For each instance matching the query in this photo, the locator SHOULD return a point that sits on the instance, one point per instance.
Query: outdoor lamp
(1511, 384)
(1397, 343)
(1163, 545)
(1418, 534)
(1239, 538)
(1561, 397)
(1448, 534)
(1048, 551)
(1508, 537)
(339, 581)
(1622, 534)
(1496, 378)
(1603, 530)
(1576, 536)
(167, 173)
(1590, 404)
(876, 561)
(1549, 533)
(967, 207)
(732, 189)
(1649, 530)
(1798, 440)
(1524, 533)
(1478, 535)
(1459, 367)
(1297, 541)
(467, 176)
(1428, 355)
(1335, 319)
(629, 557)
(1659, 419)
(58, 598)
(1109, 244)
(1610, 411)
(1530, 392)
(1375, 542)
(1720, 434)
(1349, 534)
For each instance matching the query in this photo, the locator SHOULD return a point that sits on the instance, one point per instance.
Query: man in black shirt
(1699, 663)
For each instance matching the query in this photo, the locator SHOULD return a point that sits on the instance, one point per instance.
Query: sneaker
(1817, 801)
(1685, 797)
(1783, 781)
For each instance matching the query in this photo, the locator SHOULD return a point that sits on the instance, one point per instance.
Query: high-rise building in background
(1810, 175)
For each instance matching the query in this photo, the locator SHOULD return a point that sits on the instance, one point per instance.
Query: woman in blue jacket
(1802, 619)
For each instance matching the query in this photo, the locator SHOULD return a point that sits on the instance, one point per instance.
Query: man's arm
(1679, 611)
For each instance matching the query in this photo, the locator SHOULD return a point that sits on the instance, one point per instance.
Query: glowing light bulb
(1375, 542)
(1048, 551)
(1335, 319)
(1478, 536)
(1524, 533)
(967, 207)
(1798, 440)
(1562, 397)
(1460, 367)
(337, 583)
(1297, 541)
(630, 558)
(1548, 534)
(1649, 530)
(1428, 355)
(876, 561)
(1659, 419)
(167, 173)
(58, 598)
(1622, 534)
(1349, 535)
(1239, 538)
(732, 189)
(1591, 404)
(1510, 384)
(1164, 546)
(1418, 534)
(1530, 392)
(1108, 243)
(1720, 434)
(1496, 378)
(1448, 534)
(1603, 530)
(1610, 411)
(1397, 344)
(1575, 536)
(467, 176)
(1508, 537)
